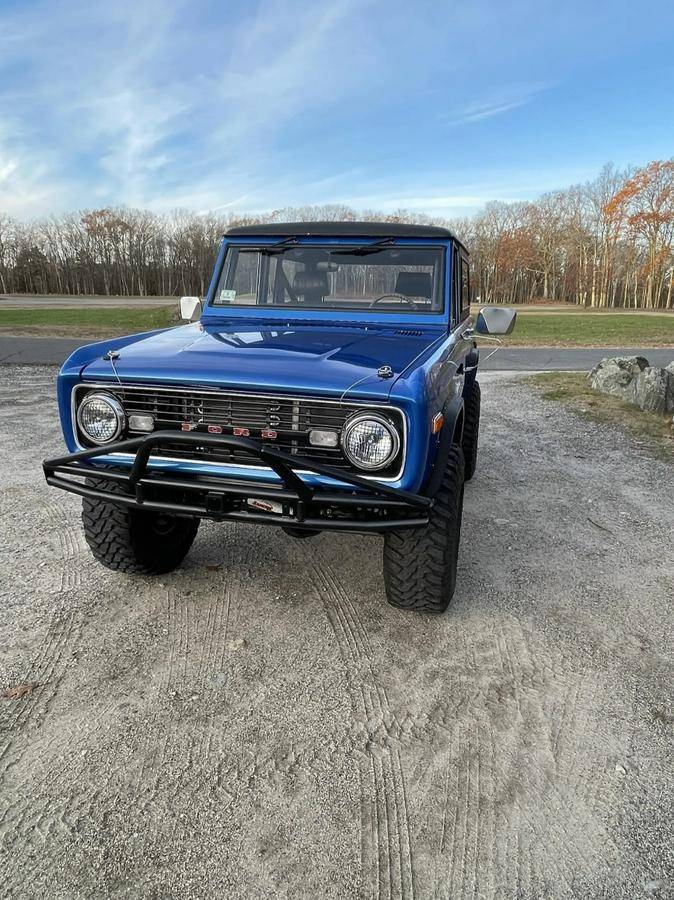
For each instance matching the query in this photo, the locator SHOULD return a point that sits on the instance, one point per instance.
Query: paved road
(36, 351)
(10, 301)
(53, 351)
(260, 723)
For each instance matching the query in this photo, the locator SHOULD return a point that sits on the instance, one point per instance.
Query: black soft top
(342, 229)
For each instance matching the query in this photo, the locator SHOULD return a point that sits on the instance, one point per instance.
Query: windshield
(384, 279)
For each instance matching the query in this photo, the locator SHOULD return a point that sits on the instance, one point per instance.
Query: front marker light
(320, 437)
(370, 442)
(141, 422)
(100, 417)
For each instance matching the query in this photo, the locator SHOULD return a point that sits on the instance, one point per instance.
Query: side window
(240, 278)
(456, 292)
(465, 289)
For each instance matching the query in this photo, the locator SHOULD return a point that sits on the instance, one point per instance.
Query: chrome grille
(292, 418)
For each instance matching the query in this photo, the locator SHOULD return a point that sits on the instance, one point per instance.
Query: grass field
(85, 322)
(653, 431)
(587, 329)
(533, 329)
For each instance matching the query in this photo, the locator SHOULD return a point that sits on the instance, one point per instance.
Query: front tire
(471, 429)
(420, 563)
(135, 541)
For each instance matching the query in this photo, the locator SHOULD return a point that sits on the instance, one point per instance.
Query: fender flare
(450, 434)
(470, 368)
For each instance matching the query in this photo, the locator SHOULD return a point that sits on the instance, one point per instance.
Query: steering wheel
(401, 297)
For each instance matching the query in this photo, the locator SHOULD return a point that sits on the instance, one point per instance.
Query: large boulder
(632, 379)
(653, 390)
(614, 375)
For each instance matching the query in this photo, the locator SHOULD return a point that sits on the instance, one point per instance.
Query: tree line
(607, 243)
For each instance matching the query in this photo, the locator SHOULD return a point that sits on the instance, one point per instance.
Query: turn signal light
(438, 422)
(141, 423)
(320, 438)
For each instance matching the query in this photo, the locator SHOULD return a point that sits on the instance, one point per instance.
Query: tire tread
(471, 429)
(420, 563)
(116, 539)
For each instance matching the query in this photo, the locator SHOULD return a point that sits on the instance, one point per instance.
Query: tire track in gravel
(48, 666)
(199, 631)
(71, 538)
(58, 811)
(539, 705)
(570, 701)
(200, 627)
(197, 649)
(30, 825)
(45, 671)
(197, 638)
(461, 850)
(548, 721)
(386, 847)
(34, 824)
(465, 837)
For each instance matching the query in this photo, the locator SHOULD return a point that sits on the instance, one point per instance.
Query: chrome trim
(370, 417)
(396, 410)
(117, 408)
(264, 469)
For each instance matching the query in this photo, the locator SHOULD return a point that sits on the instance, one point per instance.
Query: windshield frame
(288, 313)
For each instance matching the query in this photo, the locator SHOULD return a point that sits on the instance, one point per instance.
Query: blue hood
(289, 358)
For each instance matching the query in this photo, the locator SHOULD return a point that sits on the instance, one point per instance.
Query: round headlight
(100, 417)
(370, 442)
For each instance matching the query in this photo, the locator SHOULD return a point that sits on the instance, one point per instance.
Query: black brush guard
(374, 507)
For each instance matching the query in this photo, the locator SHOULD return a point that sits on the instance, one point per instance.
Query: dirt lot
(262, 724)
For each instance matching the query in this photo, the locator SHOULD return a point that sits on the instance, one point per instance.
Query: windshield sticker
(228, 295)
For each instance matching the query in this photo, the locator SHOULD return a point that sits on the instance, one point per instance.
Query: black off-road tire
(132, 540)
(471, 430)
(420, 563)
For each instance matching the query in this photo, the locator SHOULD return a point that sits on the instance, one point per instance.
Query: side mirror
(495, 320)
(190, 308)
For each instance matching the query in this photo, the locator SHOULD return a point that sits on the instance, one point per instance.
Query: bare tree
(608, 243)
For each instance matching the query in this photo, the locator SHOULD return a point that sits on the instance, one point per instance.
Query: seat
(311, 285)
(414, 284)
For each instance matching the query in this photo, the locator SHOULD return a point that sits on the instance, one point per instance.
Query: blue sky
(432, 106)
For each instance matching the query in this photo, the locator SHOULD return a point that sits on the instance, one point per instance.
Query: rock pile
(632, 379)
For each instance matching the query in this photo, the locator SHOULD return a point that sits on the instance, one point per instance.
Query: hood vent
(409, 332)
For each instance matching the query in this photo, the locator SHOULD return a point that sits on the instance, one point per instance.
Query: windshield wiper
(366, 249)
(286, 243)
(278, 247)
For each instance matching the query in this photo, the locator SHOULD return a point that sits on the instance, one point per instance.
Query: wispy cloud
(488, 111)
(143, 105)
(501, 101)
(257, 104)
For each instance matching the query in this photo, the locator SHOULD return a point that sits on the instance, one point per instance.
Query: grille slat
(292, 419)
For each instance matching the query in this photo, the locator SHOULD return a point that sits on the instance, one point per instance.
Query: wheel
(420, 563)
(135, 541)
(471, 428)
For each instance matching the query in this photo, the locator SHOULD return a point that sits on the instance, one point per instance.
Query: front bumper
(362, 505)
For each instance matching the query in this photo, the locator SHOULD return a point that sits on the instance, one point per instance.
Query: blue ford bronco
(327, 383)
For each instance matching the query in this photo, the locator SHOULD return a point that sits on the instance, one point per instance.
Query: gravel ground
(260, 723)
